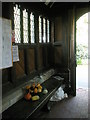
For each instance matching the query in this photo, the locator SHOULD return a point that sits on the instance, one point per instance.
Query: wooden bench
(26, 109)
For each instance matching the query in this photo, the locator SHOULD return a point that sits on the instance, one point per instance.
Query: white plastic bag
(59, 95)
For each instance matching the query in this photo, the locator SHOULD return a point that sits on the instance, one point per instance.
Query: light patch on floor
(82, 76)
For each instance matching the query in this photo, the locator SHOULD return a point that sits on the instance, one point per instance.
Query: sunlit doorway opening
(82, 52)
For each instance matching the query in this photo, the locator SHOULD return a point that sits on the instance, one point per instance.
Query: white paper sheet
(5, 44)
(15, 53)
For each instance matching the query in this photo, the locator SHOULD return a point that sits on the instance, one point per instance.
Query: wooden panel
(58, 55)
(31, 59)
(52, 32)
(72, 32)
(58, 29)
(49, 55)
(20, 70)
(5, 75)
(45, 56)
(40, 57)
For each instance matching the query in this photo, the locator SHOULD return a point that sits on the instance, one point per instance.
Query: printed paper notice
(15, 53)
(5, 43)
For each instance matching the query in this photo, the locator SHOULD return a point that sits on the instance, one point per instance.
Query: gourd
(28, 87)
(35, 90)
(38, 85)
(39, 90)
(31, 91)
(28, 96)
(45, 91)
(36, 97)
(33, 85)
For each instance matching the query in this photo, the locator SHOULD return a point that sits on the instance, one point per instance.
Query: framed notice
(5, 43)
(15, 53)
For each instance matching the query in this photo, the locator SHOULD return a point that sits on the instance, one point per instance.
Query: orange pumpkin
(35, 90)
(28, 96)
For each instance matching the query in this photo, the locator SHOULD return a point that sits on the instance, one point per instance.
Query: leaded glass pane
(17, 35)
(48, 38)
(25, 34)
(47, 26)
(17, 24)
(31, 17)
(16, 10)
(25, 26)
(16, 21)
(44, 30)
(40, 30)
(32, 28)
(48, 31)
(40, 37)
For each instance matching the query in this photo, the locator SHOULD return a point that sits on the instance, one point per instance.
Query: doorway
(82, 52)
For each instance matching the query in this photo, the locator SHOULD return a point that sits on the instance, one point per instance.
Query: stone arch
(81, 11)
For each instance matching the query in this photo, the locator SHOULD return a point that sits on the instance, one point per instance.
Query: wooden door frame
(78, 12)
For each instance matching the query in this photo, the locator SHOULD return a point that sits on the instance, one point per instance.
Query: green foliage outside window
(82, 54)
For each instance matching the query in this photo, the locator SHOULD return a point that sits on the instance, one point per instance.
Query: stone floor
(71, 107)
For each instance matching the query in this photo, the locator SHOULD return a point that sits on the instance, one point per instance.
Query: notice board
(5, 43)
